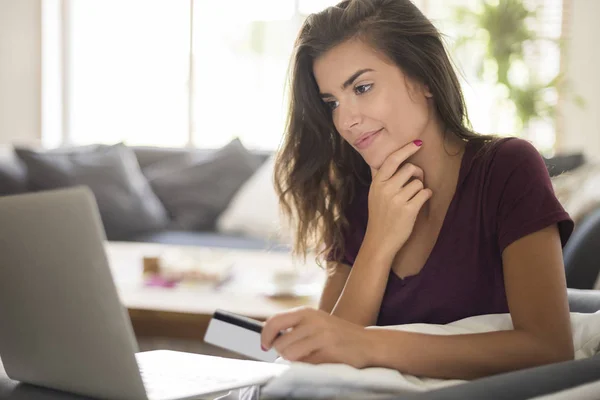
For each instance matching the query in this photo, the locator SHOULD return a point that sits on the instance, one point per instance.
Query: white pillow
(326, 380)
(579, 190)
(254, 210)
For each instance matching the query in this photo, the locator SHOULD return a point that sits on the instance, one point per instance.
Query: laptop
(62, 325)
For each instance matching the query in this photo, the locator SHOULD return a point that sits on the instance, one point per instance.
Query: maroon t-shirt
(503, 194)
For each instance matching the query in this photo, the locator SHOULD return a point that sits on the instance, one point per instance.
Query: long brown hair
(316, 171)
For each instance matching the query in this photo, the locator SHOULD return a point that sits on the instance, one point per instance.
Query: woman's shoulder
(505, 148)
(504, 155)
(513, 149)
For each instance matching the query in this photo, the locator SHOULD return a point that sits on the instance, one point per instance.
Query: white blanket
(327, 380)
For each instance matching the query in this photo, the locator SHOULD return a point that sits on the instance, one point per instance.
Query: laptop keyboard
(160, 383)
(175, 375)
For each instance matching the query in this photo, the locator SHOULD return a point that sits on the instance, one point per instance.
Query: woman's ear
(427, 92)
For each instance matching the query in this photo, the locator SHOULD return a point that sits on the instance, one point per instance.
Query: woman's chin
(374, 165)
(376, 154)
(375, 161)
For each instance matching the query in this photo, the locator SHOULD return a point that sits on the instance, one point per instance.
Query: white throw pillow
(254, 210)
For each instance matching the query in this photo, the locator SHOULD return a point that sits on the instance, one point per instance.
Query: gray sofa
(17, 170)
(582, 252)
(149, 156)
(189, 181)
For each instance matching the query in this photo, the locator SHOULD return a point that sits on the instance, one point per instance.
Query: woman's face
(375, 107)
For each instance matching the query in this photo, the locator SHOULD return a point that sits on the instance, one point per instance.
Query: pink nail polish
(263, 348)
(418, 142)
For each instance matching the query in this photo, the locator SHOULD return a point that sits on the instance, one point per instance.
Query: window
(240, 73)
(177, 73)
(128, 71)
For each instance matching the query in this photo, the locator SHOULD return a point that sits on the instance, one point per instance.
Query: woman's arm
(361, 296)
(535, 288)
(337, 275)
(536, 293)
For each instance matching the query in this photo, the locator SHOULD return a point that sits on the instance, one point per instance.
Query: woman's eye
(332, 104)
(361, 89)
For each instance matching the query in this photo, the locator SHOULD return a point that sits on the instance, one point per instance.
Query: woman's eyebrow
(349, 81)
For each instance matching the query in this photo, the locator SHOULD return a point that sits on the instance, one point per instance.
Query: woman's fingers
(301, 349)
(410, 190)
(277, 324)
(420, 198)
(283, 342)
(404, 174)
(393, 162)
(284, 321)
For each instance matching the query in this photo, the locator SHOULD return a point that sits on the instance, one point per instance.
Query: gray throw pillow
(197, 189)
(13, 175)
(564, 163)
(125, 199)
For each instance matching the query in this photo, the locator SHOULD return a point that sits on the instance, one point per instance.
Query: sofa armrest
(584, 301)
(582, 252)
(523, 384)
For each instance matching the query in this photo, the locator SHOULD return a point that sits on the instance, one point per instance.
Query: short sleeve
(527, 202)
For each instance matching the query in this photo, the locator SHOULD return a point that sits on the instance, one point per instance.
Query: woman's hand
(394, 202)
(315, 337)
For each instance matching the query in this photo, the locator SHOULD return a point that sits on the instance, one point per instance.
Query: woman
(458, 224)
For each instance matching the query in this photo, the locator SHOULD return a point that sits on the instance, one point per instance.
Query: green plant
(504, 27)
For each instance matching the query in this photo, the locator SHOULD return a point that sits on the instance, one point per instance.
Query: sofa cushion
(149, 155)
(563, 163)
(582, 267)
(584, 301)
(125, 199)
(254, 211)
(13, 174)
(579, 190)
(195, 190)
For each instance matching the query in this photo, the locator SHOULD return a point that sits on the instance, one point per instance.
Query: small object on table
(158, 281)
(179, 267)
(151, 265)
(291, 284)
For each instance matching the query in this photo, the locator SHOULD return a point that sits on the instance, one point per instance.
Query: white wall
(582, 125)
(20, 71)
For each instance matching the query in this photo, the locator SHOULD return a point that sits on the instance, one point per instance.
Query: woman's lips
(366, 142)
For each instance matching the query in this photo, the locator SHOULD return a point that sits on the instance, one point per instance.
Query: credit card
(239, 334)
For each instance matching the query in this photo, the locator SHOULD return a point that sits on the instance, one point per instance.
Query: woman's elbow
(567, 354)
(551, 349)
(557, 353)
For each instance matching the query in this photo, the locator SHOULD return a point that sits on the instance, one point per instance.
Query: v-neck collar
(465, 166)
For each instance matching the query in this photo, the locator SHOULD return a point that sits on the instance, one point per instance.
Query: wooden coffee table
(183, 312)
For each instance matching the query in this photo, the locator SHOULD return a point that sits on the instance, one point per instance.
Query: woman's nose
(350, 116)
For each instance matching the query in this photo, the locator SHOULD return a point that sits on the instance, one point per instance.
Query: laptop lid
(61, 322)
